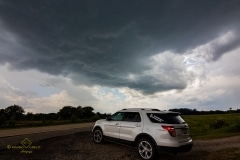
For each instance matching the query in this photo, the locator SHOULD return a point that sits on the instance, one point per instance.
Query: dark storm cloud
(104, 41)
(231, 44)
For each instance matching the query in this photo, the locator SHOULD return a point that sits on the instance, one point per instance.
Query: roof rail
(152, 109)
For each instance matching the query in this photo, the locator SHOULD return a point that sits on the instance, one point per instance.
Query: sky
(115, 54)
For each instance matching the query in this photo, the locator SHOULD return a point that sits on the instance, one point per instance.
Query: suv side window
(132, 117)
(118, 116)
(171, 118)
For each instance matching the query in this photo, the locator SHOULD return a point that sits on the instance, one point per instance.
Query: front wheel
(146, 149)
(97, 135)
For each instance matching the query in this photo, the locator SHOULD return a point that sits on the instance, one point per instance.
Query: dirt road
(22, 131)
(79, 146)
(15, 136)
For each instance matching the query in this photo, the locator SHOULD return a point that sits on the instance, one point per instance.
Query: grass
(213, 125)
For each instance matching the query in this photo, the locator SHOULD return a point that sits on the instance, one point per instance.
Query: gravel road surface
(15, 136)
(77, 144)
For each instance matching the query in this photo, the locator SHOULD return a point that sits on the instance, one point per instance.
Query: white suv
(150, 130)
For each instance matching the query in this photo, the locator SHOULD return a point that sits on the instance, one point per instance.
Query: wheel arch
(144, 135)
(97, 127)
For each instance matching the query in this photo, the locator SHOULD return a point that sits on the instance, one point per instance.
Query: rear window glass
(170, 118)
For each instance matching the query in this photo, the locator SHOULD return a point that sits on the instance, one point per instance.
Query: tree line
(15, 113)
(187, 111)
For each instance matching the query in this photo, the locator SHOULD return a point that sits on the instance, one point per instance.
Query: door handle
(138, 125)
(116, 124)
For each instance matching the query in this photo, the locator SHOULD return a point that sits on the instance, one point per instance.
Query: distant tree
(184, 111)
(43, 118)
(2, 111)
(12, 121)
(38, 116)
(66, 112)
(79, 112)
(3, 118)
(15, 111)
(98, 116)
(187, 111)
(238, 111)
(74, 118)
(230, 110)
(74, 111)
(102, 116)
(29, 116)
(87, 112)
(51, 116)
(218, 112)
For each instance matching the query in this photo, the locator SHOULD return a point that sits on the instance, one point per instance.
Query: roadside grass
(213, 125)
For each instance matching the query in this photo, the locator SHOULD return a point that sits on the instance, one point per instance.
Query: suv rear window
(170, 118)
(132, 117)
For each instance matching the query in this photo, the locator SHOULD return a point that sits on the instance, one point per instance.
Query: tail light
(170, 129)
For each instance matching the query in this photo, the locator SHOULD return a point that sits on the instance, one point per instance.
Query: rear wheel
(97, 135)
(146, 149)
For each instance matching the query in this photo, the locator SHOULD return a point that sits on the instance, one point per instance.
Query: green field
(213, 125)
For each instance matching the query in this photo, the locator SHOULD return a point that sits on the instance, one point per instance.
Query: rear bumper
(183, 148)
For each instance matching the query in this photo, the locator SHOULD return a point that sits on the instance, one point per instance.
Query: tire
(146, 149)
(97, 136)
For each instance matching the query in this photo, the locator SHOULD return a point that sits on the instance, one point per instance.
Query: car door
(112, 125)
(131, 125)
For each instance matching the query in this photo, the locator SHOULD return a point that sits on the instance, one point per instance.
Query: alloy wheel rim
(145, 149)
(97, 136)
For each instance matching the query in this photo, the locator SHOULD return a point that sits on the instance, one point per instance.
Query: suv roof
(147, 109)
